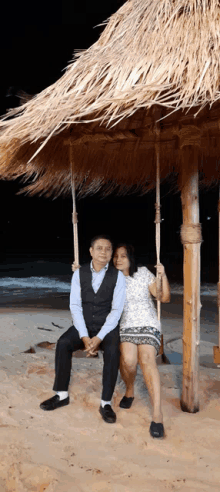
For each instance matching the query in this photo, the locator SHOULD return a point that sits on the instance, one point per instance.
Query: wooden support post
(216, 349)
(191, 239)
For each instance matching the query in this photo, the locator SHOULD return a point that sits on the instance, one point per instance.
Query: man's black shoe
(54, 403)
(108, 414)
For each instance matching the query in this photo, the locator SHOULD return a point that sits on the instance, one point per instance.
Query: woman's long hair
(130, 254)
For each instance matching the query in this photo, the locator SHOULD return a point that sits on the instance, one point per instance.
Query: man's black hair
(100, 236)
(130, 254)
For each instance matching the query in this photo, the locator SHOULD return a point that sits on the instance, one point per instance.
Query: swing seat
(161, 347)
(81, 354)
(216, 354)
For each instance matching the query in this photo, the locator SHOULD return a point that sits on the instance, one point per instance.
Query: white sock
(103, 403)
(62, 394)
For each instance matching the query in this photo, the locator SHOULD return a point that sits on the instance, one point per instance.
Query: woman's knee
(128, 363)
(147, 355)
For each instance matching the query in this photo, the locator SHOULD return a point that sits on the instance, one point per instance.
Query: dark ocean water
(36, 279)
(34, 282)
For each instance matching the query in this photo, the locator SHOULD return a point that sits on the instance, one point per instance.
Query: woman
(140, 331)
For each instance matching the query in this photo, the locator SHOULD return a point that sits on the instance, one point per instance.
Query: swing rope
(219, 270)
(216, 348)
(157, 222)
(75, 265)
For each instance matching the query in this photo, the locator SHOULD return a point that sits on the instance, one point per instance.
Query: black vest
(96, 306)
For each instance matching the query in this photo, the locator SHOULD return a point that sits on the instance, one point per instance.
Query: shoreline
(48, 297)
(53, 309)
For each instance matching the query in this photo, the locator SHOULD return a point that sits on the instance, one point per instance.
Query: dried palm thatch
(152, 52)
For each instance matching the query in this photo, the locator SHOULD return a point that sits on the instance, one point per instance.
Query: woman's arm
(165, 285)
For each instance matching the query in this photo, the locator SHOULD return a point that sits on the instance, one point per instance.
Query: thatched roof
(163, 52)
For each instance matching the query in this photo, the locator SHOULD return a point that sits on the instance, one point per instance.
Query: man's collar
(94, 271)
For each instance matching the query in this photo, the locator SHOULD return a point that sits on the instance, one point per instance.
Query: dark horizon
(42, 228)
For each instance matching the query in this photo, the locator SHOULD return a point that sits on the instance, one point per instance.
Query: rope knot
(157, 214)
(74, 218)
(191, 234)
(189, 135)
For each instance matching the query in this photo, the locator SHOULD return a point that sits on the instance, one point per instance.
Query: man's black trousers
(69, 342)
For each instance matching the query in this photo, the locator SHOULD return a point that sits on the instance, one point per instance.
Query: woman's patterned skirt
(141, 335)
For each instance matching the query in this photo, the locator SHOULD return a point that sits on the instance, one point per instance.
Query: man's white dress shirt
(117, 302)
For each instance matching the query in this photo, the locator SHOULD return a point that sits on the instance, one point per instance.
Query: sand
(72, 449)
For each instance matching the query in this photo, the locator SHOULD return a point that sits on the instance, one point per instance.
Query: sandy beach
(72, 449)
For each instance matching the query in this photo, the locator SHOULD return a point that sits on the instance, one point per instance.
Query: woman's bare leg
(128, 366)
(148, 364)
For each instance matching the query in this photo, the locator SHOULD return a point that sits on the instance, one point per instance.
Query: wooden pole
(216, 349)
(74, 215)
(191, 238)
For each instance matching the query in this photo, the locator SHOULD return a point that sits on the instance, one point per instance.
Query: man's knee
(112, 339)
(63, 343)
(112, 351)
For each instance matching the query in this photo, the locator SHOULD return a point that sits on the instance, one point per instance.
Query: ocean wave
(44, 283)
(56, 285)
(205, 289)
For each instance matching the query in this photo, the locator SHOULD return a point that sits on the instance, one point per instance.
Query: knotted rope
(188, 135)
(103, 137)
(157, 222)
(157, 214)
(191, 234)
(75, 265)
(219, 269)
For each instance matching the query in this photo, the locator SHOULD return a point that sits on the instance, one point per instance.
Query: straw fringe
(121, 166)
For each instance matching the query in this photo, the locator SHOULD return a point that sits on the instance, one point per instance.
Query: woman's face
(121, 261)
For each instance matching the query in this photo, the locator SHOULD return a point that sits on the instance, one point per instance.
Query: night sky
(37, 40)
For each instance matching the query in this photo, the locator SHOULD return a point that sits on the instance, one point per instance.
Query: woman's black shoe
(108, 414)
(54, 403)
(156, 430)
(126, 402)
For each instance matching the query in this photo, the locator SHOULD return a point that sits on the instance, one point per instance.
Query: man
(96, 302)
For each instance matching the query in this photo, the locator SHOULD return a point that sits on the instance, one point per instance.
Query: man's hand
(87, 342)
(93, 346)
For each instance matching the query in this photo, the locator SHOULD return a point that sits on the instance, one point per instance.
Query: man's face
(101, 252)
